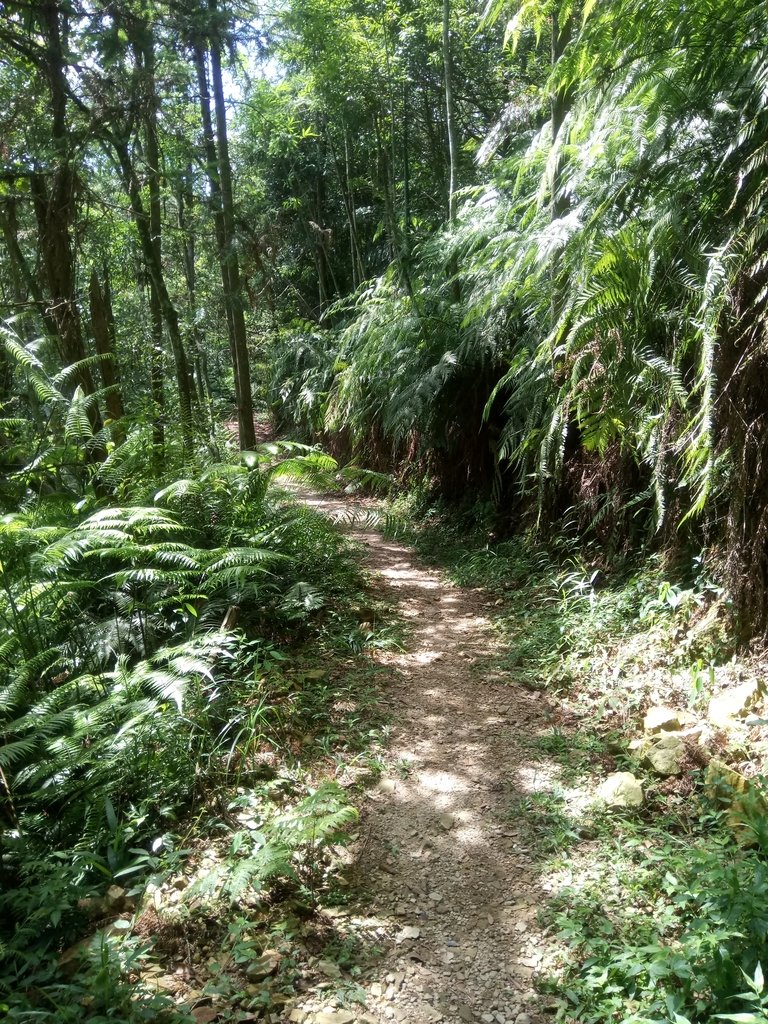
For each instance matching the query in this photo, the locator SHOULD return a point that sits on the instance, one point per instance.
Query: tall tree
(54, 185)
(450, 112)
(233, 296)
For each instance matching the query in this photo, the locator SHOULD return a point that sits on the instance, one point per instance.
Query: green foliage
(575, 340)
(289, 846)
(99, 992)
(672, 934)
(404, 376)
(123, 697)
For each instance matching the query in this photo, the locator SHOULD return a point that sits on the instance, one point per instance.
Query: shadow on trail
(454, 876)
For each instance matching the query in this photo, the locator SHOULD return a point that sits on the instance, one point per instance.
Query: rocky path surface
(452, 877)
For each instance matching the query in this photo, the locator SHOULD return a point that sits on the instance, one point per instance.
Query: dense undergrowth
(181, 694)
(659, 913)
(587, 333)
(160, 697)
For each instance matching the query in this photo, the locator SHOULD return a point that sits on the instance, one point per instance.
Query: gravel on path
(449, 871)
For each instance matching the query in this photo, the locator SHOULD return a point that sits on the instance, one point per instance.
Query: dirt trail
(451, 874)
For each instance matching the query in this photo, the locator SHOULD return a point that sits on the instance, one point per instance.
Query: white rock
(333, 1017)
(661, 719)
(621, 789)
(733, 703)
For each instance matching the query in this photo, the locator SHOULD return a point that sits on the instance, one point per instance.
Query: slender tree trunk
(234, 293)
(434, 133)
(349, 192)
(386, 180)
(25, 284)
(161, 306)
(406, 169)
(103, 337)
(322, 296)
(450, 113)
(185, 202)
(157, 371)
(160, 299)
(560, 104)
(348, 198)
(152, 158)
(212, 172)
(322, 236)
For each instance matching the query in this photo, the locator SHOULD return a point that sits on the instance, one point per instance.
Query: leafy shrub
(287, 845)
(676, 937)
(125, 691)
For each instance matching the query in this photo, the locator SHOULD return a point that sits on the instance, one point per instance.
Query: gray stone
(267, 964)
(114, 897)
(329, 968)
(665, 754)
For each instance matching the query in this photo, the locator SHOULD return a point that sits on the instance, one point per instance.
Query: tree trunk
(23, 285)
(347, 194)
(406, 169)
(53, 197)
(26, 287)
(450, 113)
(161, 306)
(387, 184)
(157, 371)
(185, 202)
(233, 295)
(212, 172)
(103, 336)
(560, 103)
(162, 298)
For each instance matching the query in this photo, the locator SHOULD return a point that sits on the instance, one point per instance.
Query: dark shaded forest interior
(383, 511)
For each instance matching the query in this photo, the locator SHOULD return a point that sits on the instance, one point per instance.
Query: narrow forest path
(450, 875)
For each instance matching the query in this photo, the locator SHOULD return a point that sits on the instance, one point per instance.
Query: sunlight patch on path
(452, 875)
